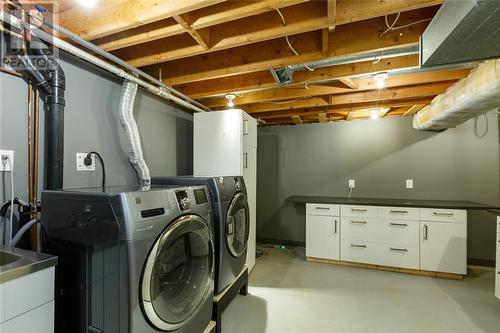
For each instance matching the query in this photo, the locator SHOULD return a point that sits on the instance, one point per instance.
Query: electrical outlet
(80, 165)
(352, 183)
(6, 160)
(409, 183)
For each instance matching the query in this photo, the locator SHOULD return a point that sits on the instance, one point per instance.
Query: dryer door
(238, 225)
(178, 275)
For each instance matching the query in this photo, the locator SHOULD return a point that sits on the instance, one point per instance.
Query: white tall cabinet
(225, 144)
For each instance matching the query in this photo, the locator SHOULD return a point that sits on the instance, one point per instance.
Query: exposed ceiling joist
(349, 83)
(111, 17)
(297, 120)
(202, 37)
(364, 84)
(353, 38)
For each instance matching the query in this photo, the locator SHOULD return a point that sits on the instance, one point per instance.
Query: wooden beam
(415, 91)
(322, 117)
(114, 16)
(234, 10)
(325, 37)
(344, 109)
(297, 120)
(350, 83)
(331, 12)
(146, 33)
(300, 18)
(263, 80)
(414, 109)
(289, 93)
(202, 36)
(347, 39)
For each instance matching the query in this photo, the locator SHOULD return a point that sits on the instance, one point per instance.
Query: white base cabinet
(412, 238)
(322, 231)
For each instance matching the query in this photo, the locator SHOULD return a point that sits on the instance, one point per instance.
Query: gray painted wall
(92, 123)
(319, 159)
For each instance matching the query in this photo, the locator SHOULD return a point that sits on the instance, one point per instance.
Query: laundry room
(199, 166)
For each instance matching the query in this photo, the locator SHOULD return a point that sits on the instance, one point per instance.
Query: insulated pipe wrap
(129, 125)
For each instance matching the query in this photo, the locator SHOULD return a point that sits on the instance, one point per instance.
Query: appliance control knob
(185, 203)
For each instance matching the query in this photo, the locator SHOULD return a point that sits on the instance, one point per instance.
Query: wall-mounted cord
(88, 161)
(350, 192)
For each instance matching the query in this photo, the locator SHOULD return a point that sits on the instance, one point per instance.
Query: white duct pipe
(65, 46)
(129, 125)
(468, 98)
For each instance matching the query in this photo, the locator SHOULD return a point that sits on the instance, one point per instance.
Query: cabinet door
(249, 130)
(322, 237)
(443, 247)
(217, 144)
(250, 177)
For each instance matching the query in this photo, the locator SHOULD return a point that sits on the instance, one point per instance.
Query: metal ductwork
(129, 125)
(476, 94)
(462, 31)
(284, 76)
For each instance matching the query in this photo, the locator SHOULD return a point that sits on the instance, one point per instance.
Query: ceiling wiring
(393, 27)
(287, 101)
(288, 40)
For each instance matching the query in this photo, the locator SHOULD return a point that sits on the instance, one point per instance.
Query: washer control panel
(182, 198)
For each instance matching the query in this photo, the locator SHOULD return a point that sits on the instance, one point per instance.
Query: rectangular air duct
(476, 94)
(462, 31)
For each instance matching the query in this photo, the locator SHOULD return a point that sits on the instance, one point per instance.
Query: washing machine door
(178, 275)
(238, 225)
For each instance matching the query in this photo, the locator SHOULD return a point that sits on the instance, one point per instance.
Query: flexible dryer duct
(476, 94)
(129, 125)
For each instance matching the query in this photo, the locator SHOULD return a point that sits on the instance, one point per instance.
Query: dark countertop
(446, 204)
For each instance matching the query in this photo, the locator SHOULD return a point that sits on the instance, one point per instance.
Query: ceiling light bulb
(375, 113)
(87, 3)
(380, 79)
(230, 100)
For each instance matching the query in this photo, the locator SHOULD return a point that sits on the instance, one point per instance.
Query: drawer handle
(335, 228)
(399, 224)
(398, 249)
(442, 214)
(359, 209)
(323, 208)
(358, 246)
(398, 211)
(358, 222)
(426, 232)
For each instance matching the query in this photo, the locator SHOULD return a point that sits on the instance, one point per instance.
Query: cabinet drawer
(443, 215)
(359, 229)
(399, 213)
(322, 209)
(399, 232)
(359, 211)
(358, 251)
(405, 256)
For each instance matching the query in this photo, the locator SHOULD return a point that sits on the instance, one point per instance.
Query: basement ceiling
(210, 48)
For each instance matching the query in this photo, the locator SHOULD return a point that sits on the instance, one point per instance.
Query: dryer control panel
(182, 198)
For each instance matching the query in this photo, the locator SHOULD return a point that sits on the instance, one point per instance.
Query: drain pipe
(129, 125)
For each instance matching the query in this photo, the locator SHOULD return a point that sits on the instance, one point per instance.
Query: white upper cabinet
(219, 140)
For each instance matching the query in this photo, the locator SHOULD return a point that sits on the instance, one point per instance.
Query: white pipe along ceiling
(67, 47)
(476, 94)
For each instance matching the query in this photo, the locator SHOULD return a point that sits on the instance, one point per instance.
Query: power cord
(88, 161)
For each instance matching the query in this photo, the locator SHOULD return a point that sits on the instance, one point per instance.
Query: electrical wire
(392, 27)
(288, 41)
(287, 101)
(350, 192)
(11, 200)
(103, 183)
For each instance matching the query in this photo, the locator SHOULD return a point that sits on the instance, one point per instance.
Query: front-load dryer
(131, 260)
(231, 222)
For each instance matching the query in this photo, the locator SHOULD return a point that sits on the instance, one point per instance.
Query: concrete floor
(288, 294)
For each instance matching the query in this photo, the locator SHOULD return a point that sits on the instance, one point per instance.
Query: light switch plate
(80, 166)
(6, 164)
(409, 183)
(352, 183)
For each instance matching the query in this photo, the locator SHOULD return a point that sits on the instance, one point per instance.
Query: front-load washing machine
(231, 222)
(131, 260)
